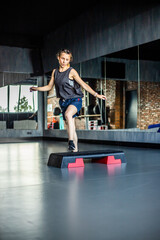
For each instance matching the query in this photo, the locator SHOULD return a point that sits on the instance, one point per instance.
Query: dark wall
(20, 60)
(103, 30)
(16, 60)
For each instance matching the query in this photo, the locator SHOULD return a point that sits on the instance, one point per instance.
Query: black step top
(82, 153)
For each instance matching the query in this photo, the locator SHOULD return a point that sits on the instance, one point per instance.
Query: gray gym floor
(97, 202)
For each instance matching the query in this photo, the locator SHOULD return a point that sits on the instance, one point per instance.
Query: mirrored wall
(130, 80)
(18, 106)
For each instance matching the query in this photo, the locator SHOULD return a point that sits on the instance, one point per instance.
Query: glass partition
(19, 106)
(149, 64)
(116, 76)
(130, 80)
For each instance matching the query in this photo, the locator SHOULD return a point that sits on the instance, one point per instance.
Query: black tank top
(66, 88)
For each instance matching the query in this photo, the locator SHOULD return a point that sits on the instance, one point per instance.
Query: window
(3, 100)
(13, 98)
(21, 99)
(28, 98)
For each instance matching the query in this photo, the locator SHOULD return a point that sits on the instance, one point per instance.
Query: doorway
(131, 109)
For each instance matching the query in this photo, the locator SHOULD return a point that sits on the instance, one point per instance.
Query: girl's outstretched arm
(84, 85)
(45, 88)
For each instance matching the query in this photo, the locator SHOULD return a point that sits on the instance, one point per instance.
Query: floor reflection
(116, 169)
(78, 173)
(73, 173)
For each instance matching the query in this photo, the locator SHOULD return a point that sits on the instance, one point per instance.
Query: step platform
(76, 159)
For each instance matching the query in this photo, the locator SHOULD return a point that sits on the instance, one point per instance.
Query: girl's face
(64, 59)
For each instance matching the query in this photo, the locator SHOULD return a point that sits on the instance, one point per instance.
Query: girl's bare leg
(70, 124)
(75, 139)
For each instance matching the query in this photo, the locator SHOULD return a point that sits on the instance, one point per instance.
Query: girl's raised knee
(68, 116)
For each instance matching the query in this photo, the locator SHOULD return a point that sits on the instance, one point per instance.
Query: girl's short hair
(65, 51)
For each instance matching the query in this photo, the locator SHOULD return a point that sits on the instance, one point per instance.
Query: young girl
(68, 88)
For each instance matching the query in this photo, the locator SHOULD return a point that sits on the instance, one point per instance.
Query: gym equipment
(57, 111)
(155, 126)
(75, 159)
